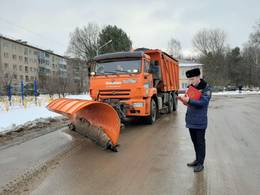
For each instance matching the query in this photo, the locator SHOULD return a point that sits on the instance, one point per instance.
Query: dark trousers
(199, 143)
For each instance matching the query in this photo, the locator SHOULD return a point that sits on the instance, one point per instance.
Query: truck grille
(110, 93)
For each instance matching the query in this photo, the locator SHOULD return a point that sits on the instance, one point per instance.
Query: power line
(30, 31)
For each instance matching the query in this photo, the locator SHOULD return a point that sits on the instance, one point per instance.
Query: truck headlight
(138, 104)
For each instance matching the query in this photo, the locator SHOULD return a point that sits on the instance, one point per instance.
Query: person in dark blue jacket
(196, 117)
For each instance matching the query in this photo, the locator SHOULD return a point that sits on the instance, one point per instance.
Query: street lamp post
(103, 46)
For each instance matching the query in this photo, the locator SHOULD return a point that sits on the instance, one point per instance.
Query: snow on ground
(18, 114)
(236, 93)
(82, 97)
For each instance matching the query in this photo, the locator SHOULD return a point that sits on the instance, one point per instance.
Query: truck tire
(170, 104)
(175, 102)
(153, 114)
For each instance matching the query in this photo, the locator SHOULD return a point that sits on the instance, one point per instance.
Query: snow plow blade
(95, 120)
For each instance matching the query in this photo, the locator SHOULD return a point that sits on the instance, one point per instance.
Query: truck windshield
(118, 67)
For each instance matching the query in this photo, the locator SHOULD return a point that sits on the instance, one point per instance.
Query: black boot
(198, 168)
(192, 164)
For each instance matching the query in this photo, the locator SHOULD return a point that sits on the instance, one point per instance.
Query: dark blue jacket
(197, 110)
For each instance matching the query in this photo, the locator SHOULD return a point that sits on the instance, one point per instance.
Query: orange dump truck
(134, 84)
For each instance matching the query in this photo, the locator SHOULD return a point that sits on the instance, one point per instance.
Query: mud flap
(96, 120)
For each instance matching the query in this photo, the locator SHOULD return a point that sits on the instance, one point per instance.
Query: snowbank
(18, 114)
(236, 93)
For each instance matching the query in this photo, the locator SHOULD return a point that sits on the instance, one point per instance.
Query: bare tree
(48, 84)
(56, 85)
(174, 48)
(251, 54)
(254, 37)
(84, 42)
(78, 71)
(64, 86)
(210, 42)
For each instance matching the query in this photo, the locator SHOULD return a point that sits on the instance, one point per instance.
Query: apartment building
(185, 66)
(20, 61)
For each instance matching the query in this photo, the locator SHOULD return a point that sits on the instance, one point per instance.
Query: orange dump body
(96, 113)
(169, 69)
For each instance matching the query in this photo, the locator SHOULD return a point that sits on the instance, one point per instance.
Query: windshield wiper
(114, 72)
(105, 73)
(111, 72)
(124, 71)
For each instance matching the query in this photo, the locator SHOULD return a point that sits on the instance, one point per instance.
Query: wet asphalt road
(152, 159)
(17, 159)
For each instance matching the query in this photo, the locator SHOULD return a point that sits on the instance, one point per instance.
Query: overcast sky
(47, 24)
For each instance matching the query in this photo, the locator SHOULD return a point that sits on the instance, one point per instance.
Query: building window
(20, 67)
(15, 67)
(32, 78)
(21, 77)
(15, 76)
(6, 44)
(25, 51)
(13, 46)
(14, 57)
(21, 58)
(6, 65)
(36, 53)
(26, 60)
(6, 55)
(26, 68)
(20, 49)
(6, 75)
(26, 78)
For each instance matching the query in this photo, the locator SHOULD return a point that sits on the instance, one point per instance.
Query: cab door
(148, 78)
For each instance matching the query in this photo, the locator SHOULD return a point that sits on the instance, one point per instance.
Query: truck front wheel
(153, 113)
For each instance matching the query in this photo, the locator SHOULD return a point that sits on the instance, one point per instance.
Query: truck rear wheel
(170, 104)
(175, 102)
(153, 113)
